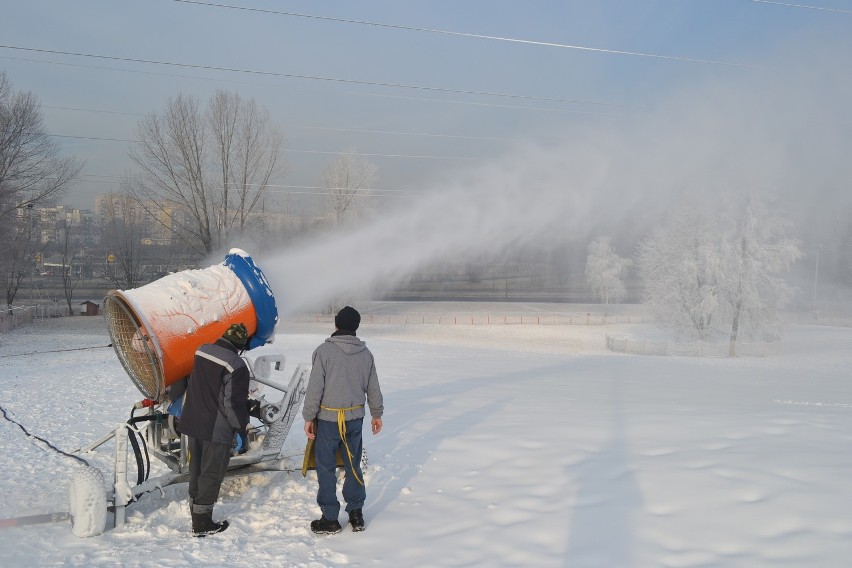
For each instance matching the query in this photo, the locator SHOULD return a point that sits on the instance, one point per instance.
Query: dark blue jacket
(215, 405)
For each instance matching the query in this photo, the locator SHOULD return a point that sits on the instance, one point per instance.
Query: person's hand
(376, 425)
(253, 407)
(310, 429)
(241, 442)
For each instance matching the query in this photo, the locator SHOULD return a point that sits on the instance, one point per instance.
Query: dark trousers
(328, 442)
(208, 463)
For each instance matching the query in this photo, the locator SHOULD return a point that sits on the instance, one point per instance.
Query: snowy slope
(503, 446)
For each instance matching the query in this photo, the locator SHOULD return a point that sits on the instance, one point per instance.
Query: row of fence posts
(568, 319)
(691, 349)
(16, 316)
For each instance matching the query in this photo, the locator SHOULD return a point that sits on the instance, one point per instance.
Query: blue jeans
(328, 442)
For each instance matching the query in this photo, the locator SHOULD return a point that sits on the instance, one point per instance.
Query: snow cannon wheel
(88, 503)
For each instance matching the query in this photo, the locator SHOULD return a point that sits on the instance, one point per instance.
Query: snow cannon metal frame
(156, 429)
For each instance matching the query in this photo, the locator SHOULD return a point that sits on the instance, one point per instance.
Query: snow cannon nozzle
(155, 329)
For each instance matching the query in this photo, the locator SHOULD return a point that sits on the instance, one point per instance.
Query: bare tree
(605, 271)
(18, 251)
(215, 164)
(123, 233)
(249, 149)
(68, 244)
(344, 179)
(31, 173)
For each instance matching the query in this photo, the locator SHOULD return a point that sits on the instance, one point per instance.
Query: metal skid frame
(160, 435)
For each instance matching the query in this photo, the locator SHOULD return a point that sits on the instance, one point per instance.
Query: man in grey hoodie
(342, 377)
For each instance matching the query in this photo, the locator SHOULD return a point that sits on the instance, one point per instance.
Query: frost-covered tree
(680, 269)
(605, 271)
(708, 271)
(756, 253)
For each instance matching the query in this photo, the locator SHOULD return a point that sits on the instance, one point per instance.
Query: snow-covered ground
(503, 446)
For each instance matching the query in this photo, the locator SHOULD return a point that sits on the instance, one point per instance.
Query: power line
(98, 138)
(291, 150)
(822, 8)
(348, 93)
(267, 185)
(465, 34)
(277, 185)
(273, 188)
(314, 127)
(308, 77)
(102, 111)
(392, 132)
(492, 105)
(118, 178)
(369, 154)
(362, 192)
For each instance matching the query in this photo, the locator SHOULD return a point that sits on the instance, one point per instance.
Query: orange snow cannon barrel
(157, 328)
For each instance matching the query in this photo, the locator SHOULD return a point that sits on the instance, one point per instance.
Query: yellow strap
(341, 427)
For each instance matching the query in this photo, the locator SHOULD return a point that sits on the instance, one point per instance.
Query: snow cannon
(157, 328)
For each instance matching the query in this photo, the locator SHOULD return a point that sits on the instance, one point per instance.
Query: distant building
(89, 308)
(51, 222)
(156, 222)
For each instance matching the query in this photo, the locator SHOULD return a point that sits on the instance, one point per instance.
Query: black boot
(356, 520)
(324, 526)
(202, 524)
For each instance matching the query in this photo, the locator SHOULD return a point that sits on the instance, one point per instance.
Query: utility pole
(816, 276)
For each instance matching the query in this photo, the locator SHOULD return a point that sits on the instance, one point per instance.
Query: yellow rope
(341, 427)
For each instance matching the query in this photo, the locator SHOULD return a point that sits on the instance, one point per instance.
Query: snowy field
(502, 446)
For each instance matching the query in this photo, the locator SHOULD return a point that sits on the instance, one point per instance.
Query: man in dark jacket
(343, 374)
(214, 410)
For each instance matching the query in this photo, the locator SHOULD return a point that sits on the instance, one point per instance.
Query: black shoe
(356, 520)
(202, 524)
(324, 526)
(216, 528)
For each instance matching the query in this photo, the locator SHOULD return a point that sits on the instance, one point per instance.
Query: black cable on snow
(142, 472)
(51, 446)
(55, 351)
(137, 453)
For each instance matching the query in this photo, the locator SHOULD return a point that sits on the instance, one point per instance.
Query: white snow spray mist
(512, 203)
(710, 137)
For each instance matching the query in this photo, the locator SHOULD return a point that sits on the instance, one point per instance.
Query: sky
(502, 446)
(429, 107)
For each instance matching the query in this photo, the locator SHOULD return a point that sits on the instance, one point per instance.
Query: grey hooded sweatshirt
(342, 376)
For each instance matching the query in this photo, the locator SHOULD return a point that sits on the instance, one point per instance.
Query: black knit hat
(237, 334)
(347, 319)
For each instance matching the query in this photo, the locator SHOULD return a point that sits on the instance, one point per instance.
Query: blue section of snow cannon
(260, 294)
(176, 407)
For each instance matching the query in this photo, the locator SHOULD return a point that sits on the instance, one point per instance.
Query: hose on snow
(49, 445)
